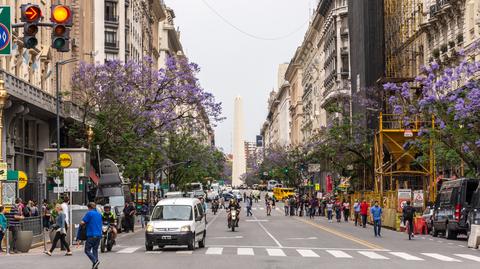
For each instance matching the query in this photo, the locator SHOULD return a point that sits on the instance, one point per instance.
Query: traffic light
(62, 21)
(30, 15)
(285, 170)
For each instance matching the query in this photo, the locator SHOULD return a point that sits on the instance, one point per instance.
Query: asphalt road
(273, 242)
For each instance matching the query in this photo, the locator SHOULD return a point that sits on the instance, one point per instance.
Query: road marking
(373, 255)
(406, 256)
(307, 253)
(343, 235)
(430, 239)
(214, 251)
(153, 252)
(269, 234)
(228, 237)
(339, 254)
(276, 252)
(440, 241)
(261, 208)
(299, 247)
(461, 246)
(299, 238)
(440, 257)
(469, 257)
(254, 208)
(128, 250)
(245, 251)
(256, 220)
(184, 252)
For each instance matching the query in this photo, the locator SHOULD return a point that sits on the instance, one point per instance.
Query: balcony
(112, 46)
(344, 31)
(111, 21)
(439, 7)
(344, 72)
(344, 51)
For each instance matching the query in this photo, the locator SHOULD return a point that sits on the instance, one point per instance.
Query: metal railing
(33, 224)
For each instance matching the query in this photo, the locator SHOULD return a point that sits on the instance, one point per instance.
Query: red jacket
(364, 208)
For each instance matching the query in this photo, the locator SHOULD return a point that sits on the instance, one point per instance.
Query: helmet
(107, 206)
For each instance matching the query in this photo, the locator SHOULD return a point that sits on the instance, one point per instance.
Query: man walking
(346, 210)
(376, 211)
(356, 209)
(93, 222)
(249, 202)
(129, 213)
(64, 205)
(364, 213)
(13, 219)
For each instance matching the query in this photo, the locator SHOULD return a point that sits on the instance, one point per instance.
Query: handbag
(82, 233)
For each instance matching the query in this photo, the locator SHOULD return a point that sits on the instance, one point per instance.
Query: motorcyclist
(109, 217)
(215, 204)
(233, 205)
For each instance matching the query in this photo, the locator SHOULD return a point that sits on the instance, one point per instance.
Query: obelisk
(239, 162)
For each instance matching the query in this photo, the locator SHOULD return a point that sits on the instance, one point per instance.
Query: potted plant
(436, 53)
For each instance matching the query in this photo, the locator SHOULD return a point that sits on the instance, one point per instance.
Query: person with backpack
(408, 215)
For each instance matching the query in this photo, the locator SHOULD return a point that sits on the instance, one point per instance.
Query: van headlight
(149, 228)
(185, 228)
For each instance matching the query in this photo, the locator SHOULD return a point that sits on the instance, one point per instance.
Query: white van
(176, 221)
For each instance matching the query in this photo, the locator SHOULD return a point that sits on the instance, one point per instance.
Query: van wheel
(191, 244)
(201, 244)
(434, 232)
(449, 234)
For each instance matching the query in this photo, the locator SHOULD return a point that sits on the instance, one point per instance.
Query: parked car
(227, 196)
(427, 217)
(452, 206)
(176, 221)
(474, 213)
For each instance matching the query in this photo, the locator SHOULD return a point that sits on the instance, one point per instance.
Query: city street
(275, 242)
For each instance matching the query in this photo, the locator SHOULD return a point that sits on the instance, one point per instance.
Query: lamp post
(57, 70)
(3, 101)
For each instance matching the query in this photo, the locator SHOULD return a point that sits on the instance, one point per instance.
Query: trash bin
(24, 241)
(474, 238)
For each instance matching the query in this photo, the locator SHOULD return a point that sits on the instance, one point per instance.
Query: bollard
(8, 241)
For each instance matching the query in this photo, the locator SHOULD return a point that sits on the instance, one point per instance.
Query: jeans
(312, 212)
(286, 210)
(91, 248)
(60, 236)
(346, 214)
(14, 231)
(377, 226)
(249, 211)
(1, 238)
(142, 220)
(329, 214)
(364, 221)
(357, 216)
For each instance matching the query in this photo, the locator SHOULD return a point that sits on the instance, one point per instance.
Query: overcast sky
(232, 61)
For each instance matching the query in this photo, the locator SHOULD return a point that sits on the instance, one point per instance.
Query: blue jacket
(3, 222)
(376, 212)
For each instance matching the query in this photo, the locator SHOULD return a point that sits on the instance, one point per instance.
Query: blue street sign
(5, 31)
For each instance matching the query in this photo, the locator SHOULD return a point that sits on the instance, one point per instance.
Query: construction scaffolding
(404, 47)
(395, 161)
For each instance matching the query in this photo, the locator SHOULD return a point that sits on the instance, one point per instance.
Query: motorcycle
(215, 208)
(233, 220)
(107, 241)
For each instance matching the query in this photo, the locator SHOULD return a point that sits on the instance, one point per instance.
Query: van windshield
(172, 212)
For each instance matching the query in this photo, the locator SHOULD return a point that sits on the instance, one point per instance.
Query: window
(110, 11)
(110, 37)
(172, 212)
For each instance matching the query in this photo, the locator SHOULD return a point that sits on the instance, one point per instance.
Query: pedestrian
(376, 212)
(285, 206)
(346, 210)
(60, 232)
(356, 209)
(65, 203)
(93, 222)
(143, 214)
(20, 207)
(46, 216)
(329, 210)
(338, 210)
(3, 226)
(364, 213)
(13, 219)
(244, 197)
(129, 212)
(249, 202)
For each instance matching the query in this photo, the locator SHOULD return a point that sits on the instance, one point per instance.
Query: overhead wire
(249, 34)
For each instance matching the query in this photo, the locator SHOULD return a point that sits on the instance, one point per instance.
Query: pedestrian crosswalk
(313, 253)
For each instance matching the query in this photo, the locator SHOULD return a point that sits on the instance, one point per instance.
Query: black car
(452, 207)
(474, 212)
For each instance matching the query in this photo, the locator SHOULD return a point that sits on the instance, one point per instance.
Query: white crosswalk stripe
(128, 250)
(469, 257)
(245, 251)
(373, 255)
(307, 253)
(214, 251)
(406, 256)
(339, 254)
(276, 252)
(184, 252)
(440, 257)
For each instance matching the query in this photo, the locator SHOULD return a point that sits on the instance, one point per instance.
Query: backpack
(408, 212)
(26, 211)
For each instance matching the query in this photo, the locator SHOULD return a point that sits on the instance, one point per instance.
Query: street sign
(408, 133)
(58, 190)
(404, 195)
(317, 186)
(22, 180)
(313, 167)
(5, 31)
(70, 180)
(9, 192)
(3, 171)
(418, 198)
(65, 160)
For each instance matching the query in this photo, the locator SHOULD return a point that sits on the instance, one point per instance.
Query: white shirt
(66, 212)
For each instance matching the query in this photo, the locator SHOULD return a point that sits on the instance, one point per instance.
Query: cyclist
(110, 217)
(408, 214)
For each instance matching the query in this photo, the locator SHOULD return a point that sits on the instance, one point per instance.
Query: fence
(33, 224)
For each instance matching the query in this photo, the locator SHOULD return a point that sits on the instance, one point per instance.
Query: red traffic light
(32, 13)
(59, 30)
(61, 14)
(31, 29)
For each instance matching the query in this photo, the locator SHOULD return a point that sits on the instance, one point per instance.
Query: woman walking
(60, 232)
(346, 209)
(338, 210)
(3, 226)
(329, 208)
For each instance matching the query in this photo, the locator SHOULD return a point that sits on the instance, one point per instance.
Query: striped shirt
(12, 222)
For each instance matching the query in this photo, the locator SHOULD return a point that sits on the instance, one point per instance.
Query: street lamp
(57, 70)
(3, 101)
(99, 163)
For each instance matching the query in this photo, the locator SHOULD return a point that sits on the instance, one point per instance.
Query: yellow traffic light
(61, 14)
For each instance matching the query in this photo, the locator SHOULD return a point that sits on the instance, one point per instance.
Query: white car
(177, 221)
